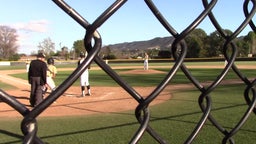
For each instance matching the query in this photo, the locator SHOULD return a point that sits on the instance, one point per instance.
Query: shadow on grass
(153, 119)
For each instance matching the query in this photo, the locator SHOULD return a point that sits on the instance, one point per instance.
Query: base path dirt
(102, 100)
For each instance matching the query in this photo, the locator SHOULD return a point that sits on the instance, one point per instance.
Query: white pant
(146, 65)
(84, 78)
(50, 83)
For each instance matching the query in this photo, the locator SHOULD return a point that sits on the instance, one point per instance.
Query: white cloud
(28, 33)
(40, 26)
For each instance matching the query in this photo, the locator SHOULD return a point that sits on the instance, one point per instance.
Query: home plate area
(102, 100)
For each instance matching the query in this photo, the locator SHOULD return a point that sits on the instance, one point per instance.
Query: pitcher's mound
(139, 71)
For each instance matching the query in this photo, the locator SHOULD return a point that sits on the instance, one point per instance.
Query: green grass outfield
(100, 78)
(174, 120)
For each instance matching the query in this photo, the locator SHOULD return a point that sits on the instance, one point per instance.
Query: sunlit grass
(173, 120)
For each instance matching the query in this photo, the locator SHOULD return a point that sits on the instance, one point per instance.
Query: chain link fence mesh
(93, 44)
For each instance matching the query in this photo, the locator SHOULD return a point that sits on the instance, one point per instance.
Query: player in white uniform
(146, 62)
(84, 78)
(51, 74)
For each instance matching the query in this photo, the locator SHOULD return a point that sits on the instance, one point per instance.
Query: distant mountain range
(156, 43)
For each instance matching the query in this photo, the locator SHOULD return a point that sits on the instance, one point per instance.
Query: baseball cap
(41, 55)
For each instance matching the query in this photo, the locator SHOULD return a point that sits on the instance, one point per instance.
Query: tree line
(200, 45)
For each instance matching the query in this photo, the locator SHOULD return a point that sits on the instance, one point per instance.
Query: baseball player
(51, 74)
(27, 65)
(146, 62)
(84, 78)
(37, 79)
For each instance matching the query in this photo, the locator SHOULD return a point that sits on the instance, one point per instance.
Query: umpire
(37, 79)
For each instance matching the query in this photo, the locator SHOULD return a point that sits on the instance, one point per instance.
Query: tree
(47, 46)
(164, 54)
(250, 38)
(195, 43)
(64, 52)
(243, 48)
(78, 47)
(215, 43)
(8, 42)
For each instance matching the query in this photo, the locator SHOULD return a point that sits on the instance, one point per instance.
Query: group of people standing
(41, 78)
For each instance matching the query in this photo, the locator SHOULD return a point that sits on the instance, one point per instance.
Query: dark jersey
(38, 68)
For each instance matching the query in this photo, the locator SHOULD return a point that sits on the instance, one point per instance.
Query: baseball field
(108, 115)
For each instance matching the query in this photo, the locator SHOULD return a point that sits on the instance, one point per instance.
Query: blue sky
(36, 20)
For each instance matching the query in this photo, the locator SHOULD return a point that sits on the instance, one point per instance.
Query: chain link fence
(93, 44)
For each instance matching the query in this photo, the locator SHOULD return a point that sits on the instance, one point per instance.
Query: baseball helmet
(82, 54)
(50, 61)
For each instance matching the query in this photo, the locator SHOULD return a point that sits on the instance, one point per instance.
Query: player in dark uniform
(37, 79)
